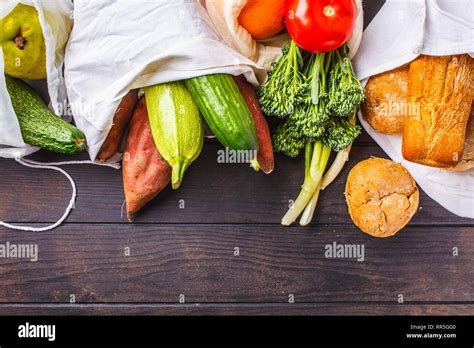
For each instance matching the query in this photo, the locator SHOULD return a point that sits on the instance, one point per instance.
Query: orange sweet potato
(265, 156)
(121, 121)
(145, 172)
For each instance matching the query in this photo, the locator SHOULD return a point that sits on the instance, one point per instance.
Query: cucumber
(39, 126)
(225, 111)
(176, 126)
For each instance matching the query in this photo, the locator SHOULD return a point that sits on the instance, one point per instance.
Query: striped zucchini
(225, 111)
(176, 126)
(39, 126)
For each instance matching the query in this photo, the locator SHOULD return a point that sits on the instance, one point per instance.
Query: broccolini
(318, 95)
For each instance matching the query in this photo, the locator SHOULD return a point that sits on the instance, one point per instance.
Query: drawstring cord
(54, 166)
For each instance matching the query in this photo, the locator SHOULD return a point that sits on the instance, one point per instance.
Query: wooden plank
(211, 193)
(275, 262)
(370, 10)
(357, 309)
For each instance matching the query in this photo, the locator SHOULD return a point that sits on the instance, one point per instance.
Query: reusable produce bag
(116, 46)
(225, 13)
(400, 32)
(56, 22)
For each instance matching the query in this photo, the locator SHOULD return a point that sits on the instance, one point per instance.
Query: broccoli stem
(282, 91)
(316, 159)
(318, 76)
(308, 155)
(310, 208)
(339, 162)
(337, 166)
(345, 62)
(292, 70)
(332, 173)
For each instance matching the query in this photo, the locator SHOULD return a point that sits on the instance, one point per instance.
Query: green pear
(23, 44)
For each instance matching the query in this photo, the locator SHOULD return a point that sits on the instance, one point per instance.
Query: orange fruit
(263, 19)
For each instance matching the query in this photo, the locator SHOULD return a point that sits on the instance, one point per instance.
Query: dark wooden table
(183, 247)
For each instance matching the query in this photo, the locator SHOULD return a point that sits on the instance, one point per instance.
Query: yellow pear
(23, 44)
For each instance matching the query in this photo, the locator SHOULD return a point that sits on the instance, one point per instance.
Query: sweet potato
(145, 172)
(265, 156)
(120, 123)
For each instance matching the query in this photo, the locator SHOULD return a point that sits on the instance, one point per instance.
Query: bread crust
(382, 197)
(443, 89)
(387, 99)
(467, 161)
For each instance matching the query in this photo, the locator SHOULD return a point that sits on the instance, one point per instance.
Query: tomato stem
(329, 11)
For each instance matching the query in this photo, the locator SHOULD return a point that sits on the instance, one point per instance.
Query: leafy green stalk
(316, 159)
(340, 133)
(338, 164)
(285, 85)
(313, 116)
(315, 94)
(288, 139)
(308, 212)
(341, 158)
(346, 92)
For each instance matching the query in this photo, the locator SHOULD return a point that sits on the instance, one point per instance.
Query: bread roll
(387, 101)
(443, 89)
(382, 197)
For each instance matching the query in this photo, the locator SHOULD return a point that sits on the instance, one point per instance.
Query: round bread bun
(382, 197)
(387, 97)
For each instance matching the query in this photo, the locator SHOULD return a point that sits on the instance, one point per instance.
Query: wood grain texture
(211, 193)
(198, 261)
(277, 309)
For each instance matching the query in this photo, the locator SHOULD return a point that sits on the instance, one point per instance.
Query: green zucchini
(176, 126)
(225, 111)
(39, 126)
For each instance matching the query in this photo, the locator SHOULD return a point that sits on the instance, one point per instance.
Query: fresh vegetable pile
(312, 89)
(165, 130)
(171, 119)
(316, 93)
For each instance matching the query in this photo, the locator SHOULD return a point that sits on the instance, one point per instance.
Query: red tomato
(320, 26)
